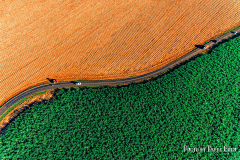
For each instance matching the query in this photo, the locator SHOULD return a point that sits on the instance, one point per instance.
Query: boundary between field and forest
(9, 105)
(20, 102)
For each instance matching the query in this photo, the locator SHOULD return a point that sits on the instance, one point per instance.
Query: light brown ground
(99, 39)
(17, 110)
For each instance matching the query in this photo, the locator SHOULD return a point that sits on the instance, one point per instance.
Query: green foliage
(195, 105)
(133, 76)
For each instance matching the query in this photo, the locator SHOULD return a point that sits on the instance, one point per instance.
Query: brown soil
(19, 109)
(98, 39)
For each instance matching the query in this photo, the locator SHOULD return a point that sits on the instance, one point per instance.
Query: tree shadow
(73, 82)
(200, 46)
(215, 41)
(50, 80)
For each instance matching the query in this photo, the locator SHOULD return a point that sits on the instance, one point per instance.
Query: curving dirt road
(118, 81)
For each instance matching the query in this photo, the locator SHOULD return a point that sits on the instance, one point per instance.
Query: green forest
(196, 105)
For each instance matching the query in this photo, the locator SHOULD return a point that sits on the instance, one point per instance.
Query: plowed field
(99, 39)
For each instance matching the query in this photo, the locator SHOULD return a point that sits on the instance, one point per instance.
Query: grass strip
(20, 102)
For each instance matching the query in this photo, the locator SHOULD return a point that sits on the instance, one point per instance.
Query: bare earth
(99, 39)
